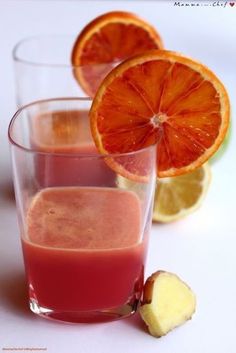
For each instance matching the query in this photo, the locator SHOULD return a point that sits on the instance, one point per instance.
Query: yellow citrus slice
(108, 40)
(160, 95)
(179, 196)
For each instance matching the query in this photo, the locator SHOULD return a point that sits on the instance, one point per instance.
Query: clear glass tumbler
(84, 228)
(43, 69)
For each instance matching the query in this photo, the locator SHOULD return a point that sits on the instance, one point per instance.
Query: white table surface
(200, 249)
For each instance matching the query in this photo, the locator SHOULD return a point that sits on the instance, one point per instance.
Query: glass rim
(18, 58)
(13, 142)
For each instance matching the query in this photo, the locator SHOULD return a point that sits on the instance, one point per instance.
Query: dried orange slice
(108, 40)
(161, 93)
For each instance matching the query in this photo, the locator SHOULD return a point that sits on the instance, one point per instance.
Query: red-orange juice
(83, 249)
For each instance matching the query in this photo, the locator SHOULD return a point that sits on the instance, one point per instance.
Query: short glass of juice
(84, 218)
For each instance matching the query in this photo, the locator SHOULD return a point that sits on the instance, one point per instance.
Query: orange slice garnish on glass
(107, 41)
(160, 95)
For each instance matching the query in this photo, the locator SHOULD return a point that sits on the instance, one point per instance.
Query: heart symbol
(232, 4)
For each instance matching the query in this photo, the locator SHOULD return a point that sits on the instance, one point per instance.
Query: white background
(200, 249)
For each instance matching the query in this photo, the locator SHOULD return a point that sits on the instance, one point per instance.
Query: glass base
(104, 315)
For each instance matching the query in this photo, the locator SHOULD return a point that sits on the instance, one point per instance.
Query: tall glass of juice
(84, 218)
(43, 69)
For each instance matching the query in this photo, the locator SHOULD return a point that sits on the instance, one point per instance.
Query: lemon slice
(176, 197)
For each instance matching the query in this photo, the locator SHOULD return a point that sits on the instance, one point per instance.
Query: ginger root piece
(167, 303)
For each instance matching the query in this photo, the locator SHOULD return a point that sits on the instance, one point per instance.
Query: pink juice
(83, 248)
(60, 136)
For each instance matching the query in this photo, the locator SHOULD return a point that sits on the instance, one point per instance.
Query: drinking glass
(43, 69)
(84, 227)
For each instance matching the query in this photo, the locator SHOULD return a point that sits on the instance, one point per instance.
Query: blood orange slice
(108, 40)
(161, 93)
